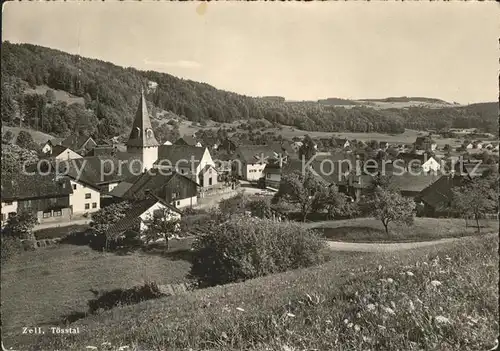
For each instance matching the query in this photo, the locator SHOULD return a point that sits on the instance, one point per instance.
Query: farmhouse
(425, 143)
(47, 147)
(437, 197)
(250, 161)
(59, 152)
(47, 196)
(80, 144)
(188, 140)
(425, 162)
(192, 161)
(176, 189)
(135, 220)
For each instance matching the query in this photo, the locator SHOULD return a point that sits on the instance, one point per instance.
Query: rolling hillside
(106, 96)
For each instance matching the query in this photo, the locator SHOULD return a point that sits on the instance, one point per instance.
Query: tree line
(110, 95)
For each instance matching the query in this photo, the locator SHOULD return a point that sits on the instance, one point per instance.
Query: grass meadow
(443, 297)
(369, 230)
(47, 286)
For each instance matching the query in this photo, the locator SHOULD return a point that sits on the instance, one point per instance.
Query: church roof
(142, 132)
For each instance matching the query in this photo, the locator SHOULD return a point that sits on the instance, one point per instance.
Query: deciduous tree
(389, 206)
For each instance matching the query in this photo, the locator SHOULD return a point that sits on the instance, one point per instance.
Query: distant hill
(338, 102)
(409, 99)
(99, 98)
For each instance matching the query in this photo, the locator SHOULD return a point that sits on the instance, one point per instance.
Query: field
(435, 298)
(38, 137)
(408, 137)
(60, 95)
(366, 230)
(43, 287)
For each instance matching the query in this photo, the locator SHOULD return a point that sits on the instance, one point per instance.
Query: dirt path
(62, 224)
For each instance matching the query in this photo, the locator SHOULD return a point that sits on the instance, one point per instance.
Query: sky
(301, 51)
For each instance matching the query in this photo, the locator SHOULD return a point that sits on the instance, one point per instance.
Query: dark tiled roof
(19, 186)
(132, 217)
(439, 194)
(153, 182)
(256, 153)
(186, 140)
(180, 154)
(75, 142)
(55, 141)
(58, 149)
(107, 150)
(97, 170)
(120, 190)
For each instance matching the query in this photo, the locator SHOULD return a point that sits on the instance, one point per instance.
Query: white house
(167, 143)
(9, 208)
(85, 198)
(251, 161)
(296, 145)
(191, 161)
(431, 165)
(140, 212)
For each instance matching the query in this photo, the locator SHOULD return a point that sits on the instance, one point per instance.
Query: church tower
(142, 141)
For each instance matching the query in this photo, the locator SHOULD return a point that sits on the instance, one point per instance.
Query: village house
(45, 195)
(191, 161)
(188, 140)
(175, 189)
(59, 152)
(79, 144)
(437, 197)
(477, 144)
(229, 145)
(425, 143)
(141, 211)
(425, 162)
(250, 161)
(47, 147)
(296, 145)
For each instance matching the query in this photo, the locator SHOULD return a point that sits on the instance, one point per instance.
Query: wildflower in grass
(410, 274)
(425, 263)
(442, 320)
(370, 307)
(435, 283)
(419, 301)
(389, 310)
(390, 281)
(349, 325)
(124, 347)
(367, 338)
(240, 309)
(290, 315)
(411, 305)
(393, 305)
(106, 343)
(358, 315)
(91, 348)
(357, 328)
(379, 267)
(346, 321)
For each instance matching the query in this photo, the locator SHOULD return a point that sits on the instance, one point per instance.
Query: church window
(149, 133)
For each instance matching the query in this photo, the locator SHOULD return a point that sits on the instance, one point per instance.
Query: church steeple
(142, 132)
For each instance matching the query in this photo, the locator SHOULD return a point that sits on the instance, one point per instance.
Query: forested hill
(110, 95)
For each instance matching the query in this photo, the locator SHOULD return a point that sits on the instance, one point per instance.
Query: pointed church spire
(142, 132)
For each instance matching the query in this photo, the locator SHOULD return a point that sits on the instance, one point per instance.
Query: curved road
(386, 247)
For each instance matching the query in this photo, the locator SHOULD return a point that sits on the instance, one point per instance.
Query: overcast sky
(297, 50)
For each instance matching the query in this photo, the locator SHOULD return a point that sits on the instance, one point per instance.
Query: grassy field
(435, 298)
(60, 95)
(43, 287)
(366, 230)
(59, 232)
(38, 137)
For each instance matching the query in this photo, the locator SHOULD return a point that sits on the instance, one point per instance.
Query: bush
(117, 297)
(245, 248)
(11, 247)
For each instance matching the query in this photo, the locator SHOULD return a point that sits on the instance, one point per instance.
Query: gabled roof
(439, 194)
(120, 190)
(182, 155)
(57, 150)
(98, 170)
(142, 134)
(132, 217)
(75, 142)
(153, 182)
(186, 140)
(256, 153)
(23, 186)
(103, 150)
(55, 141)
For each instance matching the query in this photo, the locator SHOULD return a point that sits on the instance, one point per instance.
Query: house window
(74, 186)
(268, 175)
(174, 196)
(178, 203)
(57, 213)
(87, 206)
(94, 204)
(182, 171)
(11, 214)
(209, 181)
(88, 195)
(47, 214)
(8, 203)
